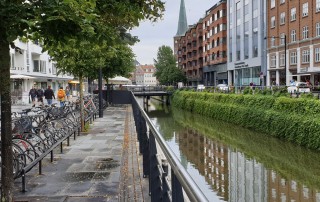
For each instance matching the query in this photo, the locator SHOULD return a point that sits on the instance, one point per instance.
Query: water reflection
(230, 163)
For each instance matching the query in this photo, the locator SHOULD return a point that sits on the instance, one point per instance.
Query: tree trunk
(6, 128)
(81, 102)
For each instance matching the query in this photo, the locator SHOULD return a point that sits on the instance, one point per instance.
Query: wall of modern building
(246, 43)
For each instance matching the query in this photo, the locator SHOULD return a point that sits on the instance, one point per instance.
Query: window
(273, 22)
(12, 62)
(36, 66)
(318, 6)
(293, 58)
(282, 18)
(282, 39)
(282, 1)
(293, 14)
(43, 66)
(273, 40)
(305, 9)
(305, 56)
(54, 68)
(318, 28)
(317, 54)
(293, 35)
(305, 32)
(273, 3)
(273, 61)
(282, 60)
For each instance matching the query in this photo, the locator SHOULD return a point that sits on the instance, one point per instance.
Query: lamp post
(285, 50)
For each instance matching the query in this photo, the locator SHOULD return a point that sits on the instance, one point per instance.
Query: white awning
(119, 80)
(20, 76)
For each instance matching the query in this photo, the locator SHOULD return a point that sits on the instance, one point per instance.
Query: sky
(154, 35)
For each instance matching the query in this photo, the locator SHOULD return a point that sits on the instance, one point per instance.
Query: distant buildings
(239, 42)
(144, 75)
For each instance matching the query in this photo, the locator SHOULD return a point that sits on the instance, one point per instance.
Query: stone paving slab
(91, 168)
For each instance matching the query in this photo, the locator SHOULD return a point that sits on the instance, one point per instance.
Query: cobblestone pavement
(102, 165)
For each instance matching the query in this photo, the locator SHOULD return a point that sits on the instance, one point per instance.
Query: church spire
(182, 24)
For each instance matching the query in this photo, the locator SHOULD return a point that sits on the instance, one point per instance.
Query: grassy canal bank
(292, 119)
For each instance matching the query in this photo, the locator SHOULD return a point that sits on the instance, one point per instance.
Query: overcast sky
(154, 35)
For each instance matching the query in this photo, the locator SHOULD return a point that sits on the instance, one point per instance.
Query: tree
(167, 71)
(55, 22)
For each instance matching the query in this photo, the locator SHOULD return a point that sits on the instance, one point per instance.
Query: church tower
(182, 27)
(182, 23)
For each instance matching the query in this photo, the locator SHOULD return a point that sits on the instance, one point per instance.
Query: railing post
(154, 177)
(40, 167)
(165, 186)
(177, 194)
(23, 180)
(51, 156)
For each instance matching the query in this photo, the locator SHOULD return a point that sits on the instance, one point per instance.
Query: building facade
(201, 51)
(215, 44)
(144, 75)
(246, 42)
(29, 67)
(293, 41)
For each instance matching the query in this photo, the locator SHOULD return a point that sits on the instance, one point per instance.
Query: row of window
(305, 7)
(38, 66)
(293, 16)
(293, 35)
(214, 17)
(305, 59)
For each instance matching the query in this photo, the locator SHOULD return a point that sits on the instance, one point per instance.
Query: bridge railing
(162, 171)
(139, 88)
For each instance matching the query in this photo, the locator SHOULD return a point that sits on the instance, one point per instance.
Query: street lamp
(285, 49)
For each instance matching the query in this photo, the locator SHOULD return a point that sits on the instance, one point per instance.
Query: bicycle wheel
(27, 148)
(37, 142)
(19, 160)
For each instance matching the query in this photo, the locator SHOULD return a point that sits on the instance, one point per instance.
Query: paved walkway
(103, 165)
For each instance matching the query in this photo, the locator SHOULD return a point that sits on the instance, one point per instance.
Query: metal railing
(157, 170)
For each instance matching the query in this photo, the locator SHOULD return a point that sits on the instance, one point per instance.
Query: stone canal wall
(292, 119)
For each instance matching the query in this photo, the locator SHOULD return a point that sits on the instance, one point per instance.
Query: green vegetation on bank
(287, 118)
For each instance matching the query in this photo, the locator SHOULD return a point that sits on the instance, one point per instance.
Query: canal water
(231, 163)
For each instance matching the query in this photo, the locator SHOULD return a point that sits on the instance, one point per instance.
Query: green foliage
(167, 71)
(169, 88)
(294, 120)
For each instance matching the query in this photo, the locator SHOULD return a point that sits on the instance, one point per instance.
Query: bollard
(40, 167)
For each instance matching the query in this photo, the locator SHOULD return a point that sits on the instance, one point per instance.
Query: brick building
(201, 48)
(293, 41)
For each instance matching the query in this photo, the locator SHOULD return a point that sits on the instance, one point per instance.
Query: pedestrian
(67, 93)
(49, 95)
(40, 95)
(61, 95)
(33, 95)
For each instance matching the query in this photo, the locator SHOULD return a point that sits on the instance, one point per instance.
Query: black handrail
(180, 177)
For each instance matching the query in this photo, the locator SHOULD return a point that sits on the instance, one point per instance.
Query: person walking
(61, 95)
(40, 95)
(33, 95)
(49, 95)
(67, 93)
